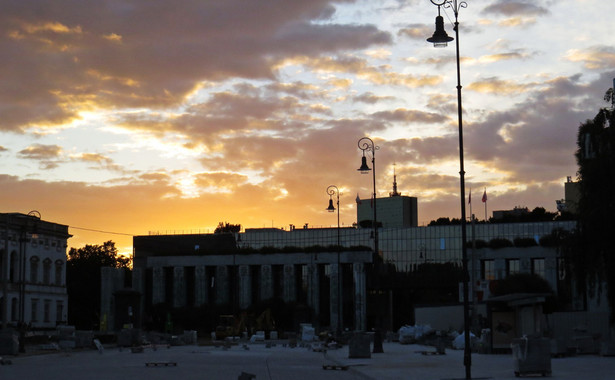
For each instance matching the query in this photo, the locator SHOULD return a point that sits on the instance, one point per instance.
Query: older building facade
(32, 271)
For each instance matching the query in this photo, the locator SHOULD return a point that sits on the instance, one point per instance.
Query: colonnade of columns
(220, 279)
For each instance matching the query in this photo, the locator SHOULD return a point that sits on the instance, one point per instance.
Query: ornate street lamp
(331, 191)
(367, 144)
(441, 39)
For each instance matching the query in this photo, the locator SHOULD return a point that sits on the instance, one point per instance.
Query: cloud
(445, 104)
(41, 152)
(542, 129)
(499, 87)
(416, 31)
(405, 115)
(47, 155)
(515, 8)
(100, 161)
(370, 98)
(381, 75)
(594, 57)
(517, 13)
(491, 58)
(227, 182)
(110, 56)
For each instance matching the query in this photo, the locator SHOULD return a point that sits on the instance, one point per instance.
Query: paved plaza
(281, 362)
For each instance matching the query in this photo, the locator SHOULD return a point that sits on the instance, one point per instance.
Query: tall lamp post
(331, 191)
(441, 39)
(367, 144)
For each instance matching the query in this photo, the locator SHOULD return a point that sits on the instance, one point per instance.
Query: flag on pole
(358, 199)
(470, 197)
(485, 202)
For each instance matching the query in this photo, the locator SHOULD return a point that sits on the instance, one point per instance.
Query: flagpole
(470, 202)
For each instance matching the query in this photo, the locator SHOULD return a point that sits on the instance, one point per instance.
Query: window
(59, 311)
(34, 269)
(538, 267)
(34, 308)
(488, 270)
(46, 310)
(13, 267)
(47, 271)
(59, 277)
(513, 266)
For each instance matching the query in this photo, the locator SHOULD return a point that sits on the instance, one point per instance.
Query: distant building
(32, 271)
(396, 211)
(572, 195)
(516, 212)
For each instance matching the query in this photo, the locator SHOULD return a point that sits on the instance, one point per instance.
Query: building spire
(394, 193)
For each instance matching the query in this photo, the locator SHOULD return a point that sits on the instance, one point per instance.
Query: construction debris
(161, 364)
(335, 367)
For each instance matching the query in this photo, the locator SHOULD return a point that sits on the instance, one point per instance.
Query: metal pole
(467, 354)
(5, 272)
(339, 271)
(374, 180)
(333, 190)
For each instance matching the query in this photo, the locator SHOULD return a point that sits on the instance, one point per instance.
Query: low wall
(444, 317)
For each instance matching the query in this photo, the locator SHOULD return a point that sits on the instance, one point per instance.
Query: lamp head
(440, 38)
(364, 169)
(331, 208)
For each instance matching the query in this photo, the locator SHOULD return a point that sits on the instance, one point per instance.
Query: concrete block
(189, 337)
(84, 339)
(259, 336)
(607, 349)
(129, 337)
(9, 343)
(67, 344)
(359, 346)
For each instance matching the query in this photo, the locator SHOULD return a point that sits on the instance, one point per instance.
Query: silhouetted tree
(83, 281)
(538, 214)
(595, 156)
(227, 227)
(444, 221)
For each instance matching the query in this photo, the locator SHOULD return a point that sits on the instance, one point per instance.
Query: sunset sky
(131, 116)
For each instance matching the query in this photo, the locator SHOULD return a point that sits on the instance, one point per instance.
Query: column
(106, 297)
(138, 284)
(179, 287)
(158, 285)
(314, 288)
(200, 286)
(138, 280)
(266, 290)
(245, 287)
(289, 293)
(222, 284)
(335, 298)
(358, 270)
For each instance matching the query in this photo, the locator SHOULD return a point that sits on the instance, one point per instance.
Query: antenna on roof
(394, 193)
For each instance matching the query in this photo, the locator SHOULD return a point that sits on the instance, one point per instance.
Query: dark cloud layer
(515, 8)
(150, 53)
